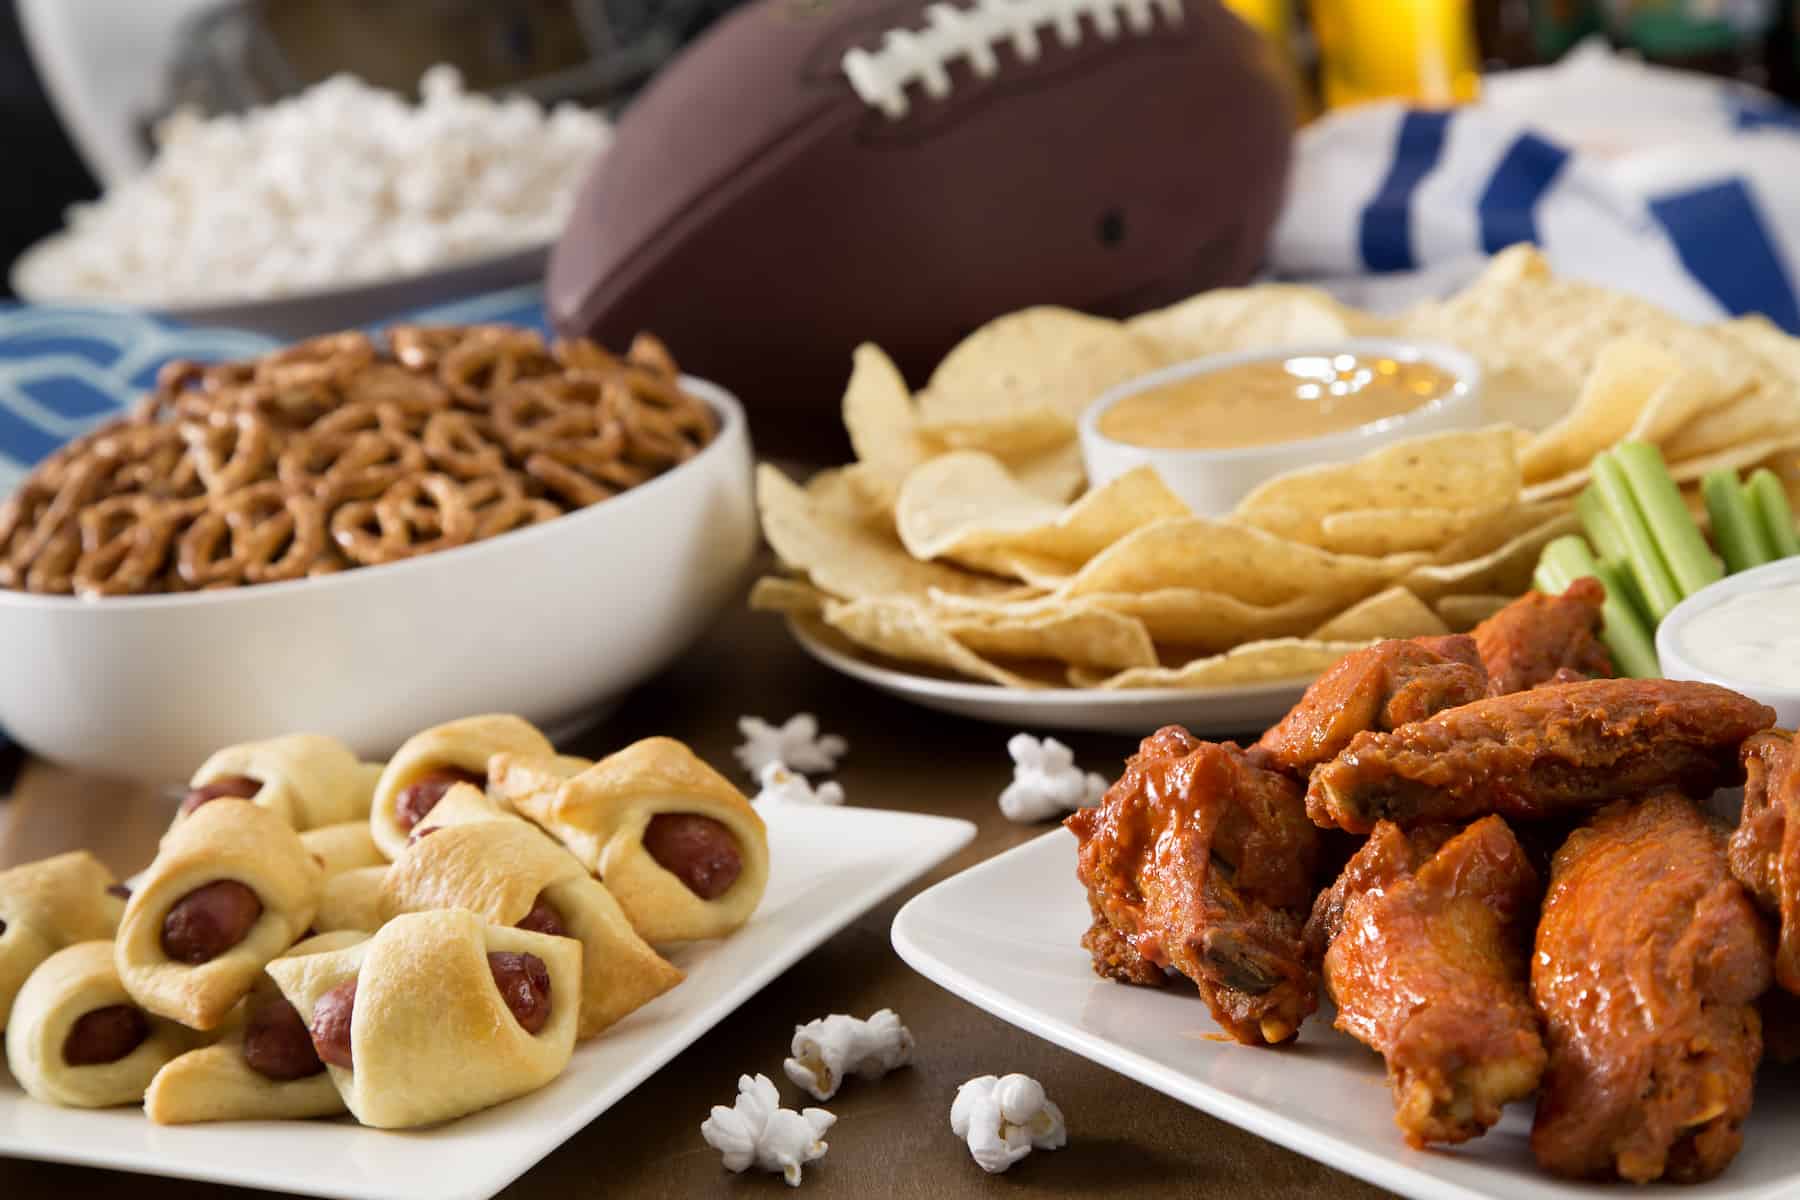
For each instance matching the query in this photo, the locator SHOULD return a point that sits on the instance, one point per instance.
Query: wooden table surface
(892, 1138)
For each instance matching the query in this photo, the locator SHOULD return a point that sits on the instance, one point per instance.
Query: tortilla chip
(820, 531)
(906, 631)
(778, 593)
(1544, 334)
(1686, 470)
(1252, 318)
(1506, 570)
(1283, 660)
(1027, 374)
(1395, 613)
(1637, 391)
(1080, 635)
(882, 423)
(1199, 621)
(1380, 531)
(1476, 470)
(968, 508)
(1498, 528)
(1463, 613)
(1057, 474)
(1205, 554)
(1763, 415)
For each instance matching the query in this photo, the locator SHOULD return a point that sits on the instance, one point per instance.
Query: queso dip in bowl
(1216, 427)
(1742, 632)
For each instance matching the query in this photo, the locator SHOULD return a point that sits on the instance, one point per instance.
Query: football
(812, 174)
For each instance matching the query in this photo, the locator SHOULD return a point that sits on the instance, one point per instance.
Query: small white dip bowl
(1678, 662)
(1213, 481)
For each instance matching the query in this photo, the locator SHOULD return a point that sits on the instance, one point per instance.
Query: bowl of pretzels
(342, 534)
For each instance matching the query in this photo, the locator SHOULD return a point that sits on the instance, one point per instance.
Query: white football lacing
(880, 77)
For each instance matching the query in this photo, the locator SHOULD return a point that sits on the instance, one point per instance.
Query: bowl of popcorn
(338, 206)
(353, 533)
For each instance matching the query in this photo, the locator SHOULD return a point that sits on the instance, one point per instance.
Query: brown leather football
(812, 174)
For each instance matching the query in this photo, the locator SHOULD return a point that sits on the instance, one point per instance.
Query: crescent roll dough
(345, 846)
(466, 744)
(351, 900)
(498, 868)
(216, 1083)
(67, 986)
(601, 815)
(430, 1036)
(224, 840)
(307, 778)
(46, 905)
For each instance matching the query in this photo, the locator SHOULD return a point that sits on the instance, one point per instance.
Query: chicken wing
(1531, 755)
(1427, 965)
(1765, 850)
(1201, 860)
(1384, 686)
(1539, 639)
(1648, 965)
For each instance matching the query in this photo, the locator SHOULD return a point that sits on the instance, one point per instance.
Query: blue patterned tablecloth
(64, 370)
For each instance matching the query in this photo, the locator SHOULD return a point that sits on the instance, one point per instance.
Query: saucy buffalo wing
(1539, 639)
(1649, 962)
(1560, 749)
(1426, 963)
(1201, 860)
(1384, 686)
(1765, 850)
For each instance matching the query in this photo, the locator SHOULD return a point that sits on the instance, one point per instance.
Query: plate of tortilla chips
(961, 560)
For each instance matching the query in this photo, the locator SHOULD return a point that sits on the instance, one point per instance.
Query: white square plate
(1005, 936)
(828, 867)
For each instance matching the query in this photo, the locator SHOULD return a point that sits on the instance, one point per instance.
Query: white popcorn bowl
(1211, 482)
(555, 622)
(299, 315)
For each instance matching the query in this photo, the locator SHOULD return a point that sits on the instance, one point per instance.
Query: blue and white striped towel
(1675, 186)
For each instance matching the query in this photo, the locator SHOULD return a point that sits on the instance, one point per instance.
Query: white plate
(1005, 936)
(326, 310)
(829, 866)
(1210, 712)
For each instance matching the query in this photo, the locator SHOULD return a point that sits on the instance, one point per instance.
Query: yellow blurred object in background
(1418, 50)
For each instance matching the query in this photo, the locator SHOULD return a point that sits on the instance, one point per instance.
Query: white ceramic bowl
(1677, 663)
(555, 622)
(1213, 481)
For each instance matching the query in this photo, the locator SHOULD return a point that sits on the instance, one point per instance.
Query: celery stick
(1601, 529)
(1768, 499)
(1641, 555)
(1735, 528)
(1689, 559)
(1627, 587)
(1625, 632)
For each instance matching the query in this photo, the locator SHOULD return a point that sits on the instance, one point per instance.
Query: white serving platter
(1005, 936)
(828, 867)
(1208, 712)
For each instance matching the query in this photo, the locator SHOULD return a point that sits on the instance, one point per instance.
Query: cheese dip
(1274, 400)
(1753, 637)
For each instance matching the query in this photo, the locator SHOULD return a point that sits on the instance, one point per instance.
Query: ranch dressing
(1753, 637)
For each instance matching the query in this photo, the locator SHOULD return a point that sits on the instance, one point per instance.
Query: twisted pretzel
(349, 466)
(230, 452)
(261, 534)
(125, 543)
(335, 454)
(417, 515)
(499, 503)
(491, 360)
(456, 443)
